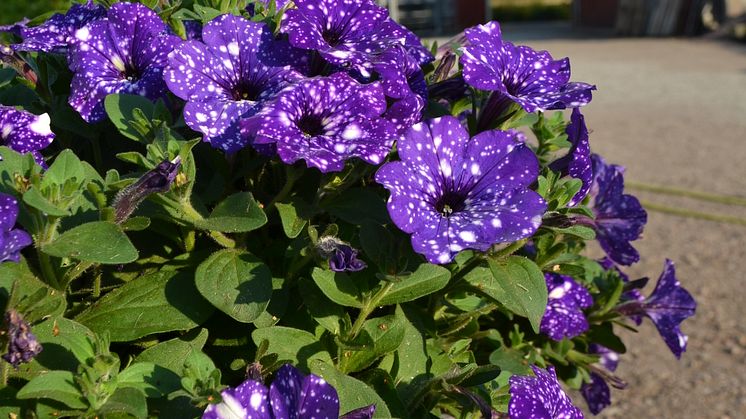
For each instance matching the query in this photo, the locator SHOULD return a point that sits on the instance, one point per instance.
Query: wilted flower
(619, 217)
(124, 53)
(597, 393)
(22, 344)
(453, 193)
(540, 397)
(156, 180)
(342, 257)
(325, 121)
(577, 163)
(564, 316)
(25, 132)
(226, 78)
(12, 240)
(291, 395)
(55, 34)
(667, 307)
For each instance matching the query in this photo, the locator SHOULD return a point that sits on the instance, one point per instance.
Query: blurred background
(671, 107)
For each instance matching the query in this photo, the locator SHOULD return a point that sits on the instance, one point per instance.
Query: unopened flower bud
(22, 344)
(154, 181)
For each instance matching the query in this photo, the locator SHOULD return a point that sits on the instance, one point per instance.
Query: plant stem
(46, 235)
(5, 368)
(702, 196)
(368, 307)
(507, 251)
(694, 214)
(291, 175)
(193, 216)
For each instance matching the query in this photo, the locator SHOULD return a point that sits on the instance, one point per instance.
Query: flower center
(332, 37)
(311, 125)
(449, 203)
(246, 91)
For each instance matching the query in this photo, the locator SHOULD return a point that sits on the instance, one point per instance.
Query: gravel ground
(673, 111)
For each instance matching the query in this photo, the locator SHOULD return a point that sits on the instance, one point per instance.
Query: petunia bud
(154, 181)
(22, 344)
(342, 257)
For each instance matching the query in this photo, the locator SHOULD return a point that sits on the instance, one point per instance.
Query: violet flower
(518, 74)
(12, 240)
(666, 307)
(56, 33)
(453, 193)
(540, 397)
(597, 393)
(22, 344)
(325, 121)
(564, 316)
(226, 78)
(342, 257)
(404, 84)
(619, 217)
(291, 395)
(124, 53)
(577, 163)
(347, 32)
(25, 132)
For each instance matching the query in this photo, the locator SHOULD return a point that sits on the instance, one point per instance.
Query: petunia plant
(295, 209)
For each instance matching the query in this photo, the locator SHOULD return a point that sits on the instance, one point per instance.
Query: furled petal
(366, 412)
(596, 393)
(22, 344)
(577, 163)
(540, 397)
(564, 316)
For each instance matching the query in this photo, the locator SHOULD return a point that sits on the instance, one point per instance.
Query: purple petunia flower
(633, 294)
(342, 257)
(25, 132)
(619, 217)
(597, 393)
(291, 395)
(577, 163)
(348, 32)
(192, 30)
(667, 307)
(564, 316)
(226, 78)
(325, 121)
(15, 28)
(56, 33)
(22, 344)
(12, 240)
(404, 83)
(124, 53)
(452, 193)
(540, 397)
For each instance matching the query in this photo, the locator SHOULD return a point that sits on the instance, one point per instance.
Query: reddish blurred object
(471, 12)
(595, 13)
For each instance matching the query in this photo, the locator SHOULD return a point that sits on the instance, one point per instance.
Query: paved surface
(673, 111)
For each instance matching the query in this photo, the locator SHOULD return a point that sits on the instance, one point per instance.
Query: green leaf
(353, 393)
(153, 303)
(356, 205)
(510, 360)
(293, 345)
(294, 216)
(236, 282)
(153, 380)
(35, 199)
(54, 385)
(99, 241)
(66, 166)
(14, 164)
(121, 111)
(425, 280)
(138, 223)
(323, 310)
(518, 284)
(378, 337)
(172, 353)
(31, 297)
(339, 287)
(238, 213)
(126, 401)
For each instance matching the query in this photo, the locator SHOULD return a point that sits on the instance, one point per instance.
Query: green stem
(367, 309)
(694, 214)
(193, 215)
(4, 370)
(291, 176)
(48, 231)
(507, 251)
(702, 196)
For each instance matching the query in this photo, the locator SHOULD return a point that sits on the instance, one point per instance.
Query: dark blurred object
(438, 17)
(532, 11)
(651, 17)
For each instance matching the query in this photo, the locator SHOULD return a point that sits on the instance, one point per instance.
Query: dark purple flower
(342, 257)
(348, 32)
(25, 132)
(619, 217)
(55, 34)
(597, 392)
(22, 344)
(291, 395)
(540, 397)
(193, 30)
(667, 307)
(453, 193)
(564, 316)
(124, 53)
(577, 163)
(608, 358)
(532, 79)
(157, 180)
(226, 78)
(12, 240)
(325, 121)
